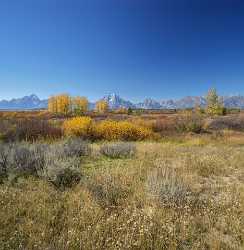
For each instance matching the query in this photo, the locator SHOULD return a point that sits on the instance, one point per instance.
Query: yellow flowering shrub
(122, 130)
(78, 126)
(106, 130)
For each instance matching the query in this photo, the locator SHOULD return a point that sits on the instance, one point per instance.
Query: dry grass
(169, 196)
(185, 191)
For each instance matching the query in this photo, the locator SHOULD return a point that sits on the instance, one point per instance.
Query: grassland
(183, 191)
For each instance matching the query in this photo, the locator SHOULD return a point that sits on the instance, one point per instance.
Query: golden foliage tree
(214, 103)
(80, 105)
(63, 104)
(52, 104)
(59, 104)
(102, 106)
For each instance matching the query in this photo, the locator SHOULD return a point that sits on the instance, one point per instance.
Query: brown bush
(31, 129)
(164, 126)
(234, 122)
(178, 124)
(189, 122)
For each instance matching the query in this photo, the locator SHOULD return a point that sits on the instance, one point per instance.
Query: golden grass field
(183, 191)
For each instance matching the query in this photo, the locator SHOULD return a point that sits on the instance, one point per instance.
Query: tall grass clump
(109, 188)
(167, 186)
(118, 150)
(4, 160)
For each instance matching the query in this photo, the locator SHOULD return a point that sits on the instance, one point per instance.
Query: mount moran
(115, 101)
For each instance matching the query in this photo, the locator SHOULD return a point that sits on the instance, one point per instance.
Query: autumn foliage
(79, 105)
(122, 130)
(78, 126)
(59, 104)
(102, 106)
(65, 104)
(106, 130)
(214, 103)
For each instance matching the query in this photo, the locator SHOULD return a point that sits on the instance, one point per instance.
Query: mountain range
(115, 101)
(24, 103)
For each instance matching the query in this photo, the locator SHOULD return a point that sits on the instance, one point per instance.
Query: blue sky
(138, 49)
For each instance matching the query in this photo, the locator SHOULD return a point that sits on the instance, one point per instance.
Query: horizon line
(116, 94)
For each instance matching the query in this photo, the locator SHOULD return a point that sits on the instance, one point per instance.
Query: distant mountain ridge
(24, 103)
(115, 101)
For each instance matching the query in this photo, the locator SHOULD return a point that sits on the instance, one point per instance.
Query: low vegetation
(120, 180)
(78, 126)
(166, 186)
(118, 150)
(164, 196)
(58, 163)
(122, 130)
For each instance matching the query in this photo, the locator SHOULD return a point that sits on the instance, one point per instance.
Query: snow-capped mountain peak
(115, 101)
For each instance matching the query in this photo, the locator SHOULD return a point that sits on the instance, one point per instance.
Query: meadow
(118, 181)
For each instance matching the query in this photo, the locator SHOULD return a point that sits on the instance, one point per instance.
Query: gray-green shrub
(58, 163)
(63, 177)
(4, 160)
(118, 150)
(76, 147)
(22, 160)
(164, 184)
(108, 190)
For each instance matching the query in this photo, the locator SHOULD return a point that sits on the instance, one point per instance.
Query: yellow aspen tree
(80, 105)
(102, 106)
(52, 104)
(59, 104)
(63, 104)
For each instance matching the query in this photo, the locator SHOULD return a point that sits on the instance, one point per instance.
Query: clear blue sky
(136, 48)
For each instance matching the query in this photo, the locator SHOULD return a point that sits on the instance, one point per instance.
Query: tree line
(65, 104)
